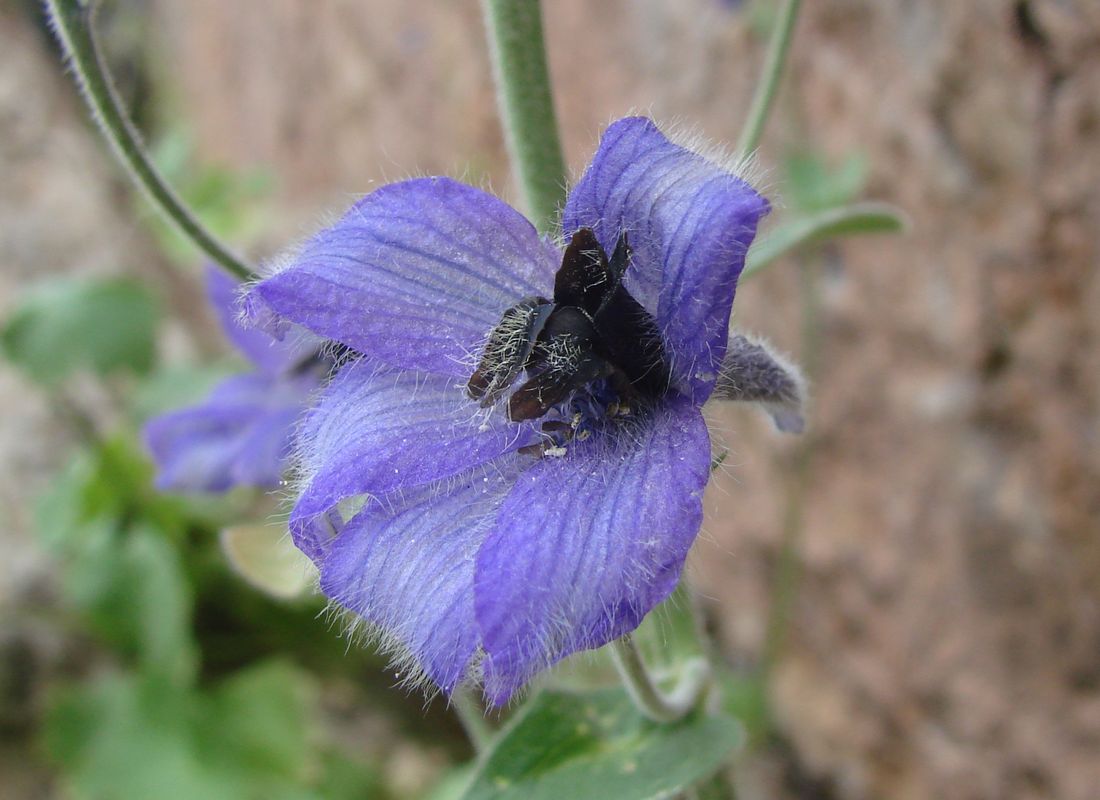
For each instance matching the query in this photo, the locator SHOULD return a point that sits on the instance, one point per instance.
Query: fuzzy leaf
(596, 744)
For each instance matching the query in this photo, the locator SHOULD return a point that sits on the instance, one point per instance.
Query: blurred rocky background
(921, 574)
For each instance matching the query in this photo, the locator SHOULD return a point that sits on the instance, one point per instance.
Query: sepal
(753, 373)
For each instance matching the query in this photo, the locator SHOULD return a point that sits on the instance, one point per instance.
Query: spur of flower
(511, 469)
(241, 434)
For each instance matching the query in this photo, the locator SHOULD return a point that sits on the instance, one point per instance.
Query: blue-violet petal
(587, 544)
(414, 275)
(689, 222)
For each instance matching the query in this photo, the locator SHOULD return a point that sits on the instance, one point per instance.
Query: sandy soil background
(945, 632)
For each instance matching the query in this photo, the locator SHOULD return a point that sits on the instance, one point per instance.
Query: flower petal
(377, 431)
(239, 435)
(272, 356)
(263, 451)
(689, 222)
(411, 574)
(587, 544)
(415, 275)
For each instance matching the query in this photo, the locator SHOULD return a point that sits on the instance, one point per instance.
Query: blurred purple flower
(487, 540)
(241, 434)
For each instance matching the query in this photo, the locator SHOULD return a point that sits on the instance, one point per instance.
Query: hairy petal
(239, 436)
(378, 431)
(414, 275)
(411, 573)
(272, 356)
(587, 544)
(689, 222)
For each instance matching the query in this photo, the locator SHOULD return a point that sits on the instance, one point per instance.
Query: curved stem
(643, 690)
(471, 715)
(778, 46)
(527, 105)
(73, 24)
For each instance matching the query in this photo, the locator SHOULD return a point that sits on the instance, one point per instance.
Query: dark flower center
(593, 343)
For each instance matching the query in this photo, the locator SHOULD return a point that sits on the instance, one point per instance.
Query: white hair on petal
(391, 634)
(327, 218)
(689, 135)
(359, 633)
(746, 166)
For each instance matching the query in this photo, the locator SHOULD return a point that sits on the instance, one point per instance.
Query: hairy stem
(73, 23)
(527, 105)
(643, 690)
(471, 715)
(766, 87)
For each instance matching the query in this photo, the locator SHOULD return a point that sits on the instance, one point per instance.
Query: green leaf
(813, 185)
(61, 510)
(120, 485)
(140, 736)
(120, 570)
(260, 726)
(260, 721)
(130, 738)
(76, 323)
(860, 218)
(596, 744)
(111, 483)
(131, 587)
(263, 554)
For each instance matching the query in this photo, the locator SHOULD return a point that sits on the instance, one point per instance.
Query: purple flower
(514, 468)
(241, 434)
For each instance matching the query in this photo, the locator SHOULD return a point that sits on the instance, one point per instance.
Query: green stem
(789, 568)
(73, 22)
(527, 105)
(778, 46)
(643, 690)
(472, 717)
